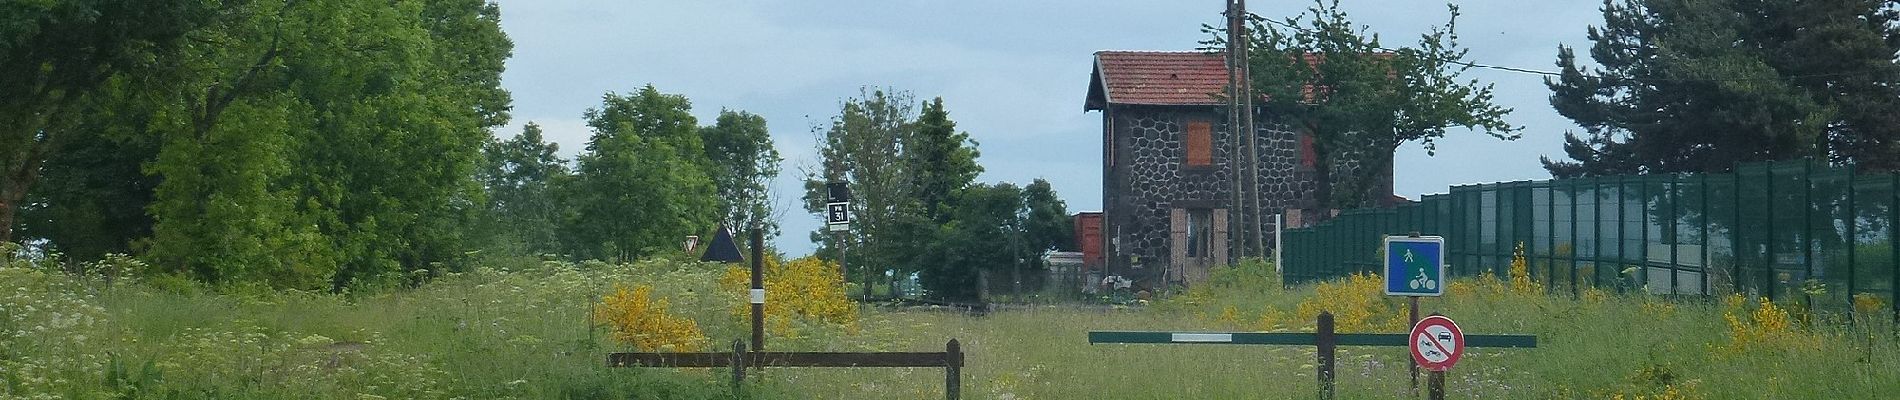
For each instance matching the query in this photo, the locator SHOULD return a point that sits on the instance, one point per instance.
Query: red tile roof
(1157, 78)
(1174, 78)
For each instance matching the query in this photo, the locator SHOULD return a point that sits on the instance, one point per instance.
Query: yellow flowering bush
(806, 290)
(1521, 282)
(1866, 304)
(637, 319)
(1358, 304)
(1764, 326)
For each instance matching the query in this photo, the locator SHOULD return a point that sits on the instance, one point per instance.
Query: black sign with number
(837, 213)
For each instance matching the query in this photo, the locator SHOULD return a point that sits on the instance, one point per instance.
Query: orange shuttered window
(1200, 144)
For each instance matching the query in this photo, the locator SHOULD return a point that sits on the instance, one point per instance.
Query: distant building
(1167, 174)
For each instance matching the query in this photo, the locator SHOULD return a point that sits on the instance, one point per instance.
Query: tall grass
(524, 332)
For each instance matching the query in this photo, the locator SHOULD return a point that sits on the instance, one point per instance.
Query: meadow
(532, 330)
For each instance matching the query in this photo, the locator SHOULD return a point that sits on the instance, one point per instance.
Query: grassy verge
(526, 334)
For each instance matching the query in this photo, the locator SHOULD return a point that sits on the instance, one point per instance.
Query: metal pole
(758, 290)
(1279, 222)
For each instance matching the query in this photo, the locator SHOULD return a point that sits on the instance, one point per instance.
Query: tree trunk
(14, 185)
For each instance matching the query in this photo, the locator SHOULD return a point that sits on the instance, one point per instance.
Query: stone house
(1167, 172)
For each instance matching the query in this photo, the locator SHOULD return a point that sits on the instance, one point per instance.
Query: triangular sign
(722, 248)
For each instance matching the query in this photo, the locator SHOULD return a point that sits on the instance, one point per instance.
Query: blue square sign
(1414, 265)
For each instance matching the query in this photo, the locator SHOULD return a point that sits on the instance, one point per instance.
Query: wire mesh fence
(1799, 231)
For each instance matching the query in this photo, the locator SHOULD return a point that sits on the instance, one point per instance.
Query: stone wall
(1148, 177)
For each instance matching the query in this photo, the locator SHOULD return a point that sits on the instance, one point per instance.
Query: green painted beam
(1294, 338)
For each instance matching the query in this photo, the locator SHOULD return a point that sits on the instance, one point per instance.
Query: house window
(1200, 232)
(1200, 144)
(1307, 156)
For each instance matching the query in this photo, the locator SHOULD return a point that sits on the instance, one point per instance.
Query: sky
(1012, 73)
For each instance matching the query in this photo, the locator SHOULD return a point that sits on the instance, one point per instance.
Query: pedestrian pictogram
(1436, 343)
(1414, 265)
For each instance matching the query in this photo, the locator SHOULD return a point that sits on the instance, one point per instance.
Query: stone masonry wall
(1149, 177)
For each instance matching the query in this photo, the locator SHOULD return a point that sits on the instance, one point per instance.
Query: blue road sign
(1414, 266)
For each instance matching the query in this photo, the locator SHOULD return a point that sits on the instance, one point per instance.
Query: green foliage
(54, 55)
(984, 233)
(905, 171)
(519, 176)
(1700, 86)
(383, 119)
(743, 163)
(91, 196)
(642, 185)
(941, 161)
(1047, 225)
(1359, 100)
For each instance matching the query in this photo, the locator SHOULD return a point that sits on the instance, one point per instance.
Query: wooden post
(1413, 366)
(1437, 385)
(758, 290)
(952, 370)
(1412, 320)
(1324, 338)
(738, 364)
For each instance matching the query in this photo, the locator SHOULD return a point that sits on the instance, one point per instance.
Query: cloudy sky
(1012, 73)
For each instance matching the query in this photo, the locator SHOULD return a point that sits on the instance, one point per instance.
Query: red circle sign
(1436, 343)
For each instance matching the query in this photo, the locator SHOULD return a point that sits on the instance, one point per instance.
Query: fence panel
(1798, 231)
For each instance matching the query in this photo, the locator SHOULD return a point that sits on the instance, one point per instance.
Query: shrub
(1764, 326)
(1358, 304)
(805, 290)
(639, 320)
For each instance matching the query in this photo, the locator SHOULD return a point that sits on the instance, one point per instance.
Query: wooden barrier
(1325, 340)
(951, 360)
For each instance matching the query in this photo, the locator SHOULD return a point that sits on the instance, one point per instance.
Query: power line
(1580, 71)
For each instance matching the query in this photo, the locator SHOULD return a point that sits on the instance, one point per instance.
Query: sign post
(1436, 344)
(1414, 267)
(838, 221)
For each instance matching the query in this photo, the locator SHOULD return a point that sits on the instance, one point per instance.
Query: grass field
(525, 332)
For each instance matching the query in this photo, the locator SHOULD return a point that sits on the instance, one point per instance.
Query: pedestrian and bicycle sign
(1414, 265)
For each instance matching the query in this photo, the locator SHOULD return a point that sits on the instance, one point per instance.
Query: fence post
(738, 364)
(1324, 338)
(758, 290)
(1437, 390)
(952, 370)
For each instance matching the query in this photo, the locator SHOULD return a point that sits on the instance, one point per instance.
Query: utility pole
(1253, 135)
(1237, 238)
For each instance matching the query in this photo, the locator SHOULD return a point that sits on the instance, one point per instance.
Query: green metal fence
(1791, 231)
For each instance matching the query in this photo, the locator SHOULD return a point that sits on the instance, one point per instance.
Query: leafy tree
(1046, 225)
(519, 176)
(91, 195)
(1700, 86)
(903, 169)
(263, 141)
(863, 147)
(305, 153)
(56, 53)
(984, 233)
(743, 164)
(941, 159)
(1360, 101)
(224, 129)
(642, 184)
